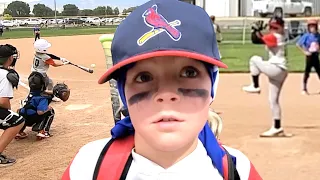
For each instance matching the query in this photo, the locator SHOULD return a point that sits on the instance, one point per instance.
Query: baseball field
(87, 115)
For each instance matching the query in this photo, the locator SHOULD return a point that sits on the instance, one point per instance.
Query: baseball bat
(105, 41)
(82, 67)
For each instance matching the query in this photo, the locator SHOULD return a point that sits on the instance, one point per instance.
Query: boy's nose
(167, 97)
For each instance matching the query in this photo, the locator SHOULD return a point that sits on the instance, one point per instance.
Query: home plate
(75, 107)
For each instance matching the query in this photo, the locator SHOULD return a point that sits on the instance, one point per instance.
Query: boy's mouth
(168, 119)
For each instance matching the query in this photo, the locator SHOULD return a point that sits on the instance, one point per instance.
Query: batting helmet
(41, 46)
(276, 22)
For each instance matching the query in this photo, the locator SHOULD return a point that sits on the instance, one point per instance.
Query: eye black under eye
(189, 72)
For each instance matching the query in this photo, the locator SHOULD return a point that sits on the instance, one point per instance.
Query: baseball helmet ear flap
(36, 81)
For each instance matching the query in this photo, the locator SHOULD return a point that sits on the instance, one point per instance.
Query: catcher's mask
(36, 82)
(61, 91)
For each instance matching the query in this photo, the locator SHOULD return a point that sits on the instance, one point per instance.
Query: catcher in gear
(37, 110)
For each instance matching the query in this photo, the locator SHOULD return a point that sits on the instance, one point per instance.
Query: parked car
(8, 23)
(75, 21)
(32, 21)
(293, 8)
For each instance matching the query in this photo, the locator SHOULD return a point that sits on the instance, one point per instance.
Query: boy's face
(168, 100)
(312, 28)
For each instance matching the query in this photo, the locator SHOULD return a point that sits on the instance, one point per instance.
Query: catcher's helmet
(41, 46)
(36, 82)
(276, 22)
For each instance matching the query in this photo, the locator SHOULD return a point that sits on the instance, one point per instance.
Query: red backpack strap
(114, 158)
(229, 170)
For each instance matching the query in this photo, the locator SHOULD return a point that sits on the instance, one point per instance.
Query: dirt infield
(87, 116)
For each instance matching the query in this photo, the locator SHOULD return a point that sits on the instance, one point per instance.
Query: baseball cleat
(43, 135)
(275, 132)
(251, 89)
(304, 92)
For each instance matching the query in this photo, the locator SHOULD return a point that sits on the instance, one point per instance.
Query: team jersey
(276, 48)
(6, 89)
(196, 165)
(39, 63)
(36, 30)
(35, 102)
(310, 42)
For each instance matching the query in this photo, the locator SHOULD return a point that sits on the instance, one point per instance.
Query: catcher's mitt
(61, 91)
(259, 26)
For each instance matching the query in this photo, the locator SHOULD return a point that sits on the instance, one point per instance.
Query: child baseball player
(275, 68)
(167, 82)
(10, 121)
(309, 45)
(36, 32)
(43, 60)
(37, 112)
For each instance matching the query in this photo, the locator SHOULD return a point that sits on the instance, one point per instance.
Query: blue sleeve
(43, 104)
(302, 41)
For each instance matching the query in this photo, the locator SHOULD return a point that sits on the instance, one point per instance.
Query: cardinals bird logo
(158, 24)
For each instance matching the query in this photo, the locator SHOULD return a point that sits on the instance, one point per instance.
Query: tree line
(22, 9)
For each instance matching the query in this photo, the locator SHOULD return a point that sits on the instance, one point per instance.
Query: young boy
(10, 121)
(167, 82)
(38, 113)
(36, 32)
(43, 60)
(309, 45)
(276, 70)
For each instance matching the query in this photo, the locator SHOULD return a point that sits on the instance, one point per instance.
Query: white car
(32, 21)
(282, 7)
(7, 23)
(94, 21)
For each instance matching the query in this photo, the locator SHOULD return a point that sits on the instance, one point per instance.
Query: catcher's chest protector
(115, 160)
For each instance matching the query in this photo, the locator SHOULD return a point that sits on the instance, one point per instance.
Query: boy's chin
(168, 142)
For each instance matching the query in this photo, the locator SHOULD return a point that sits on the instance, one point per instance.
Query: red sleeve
(50, 62)
(66, 174)
(270, 40)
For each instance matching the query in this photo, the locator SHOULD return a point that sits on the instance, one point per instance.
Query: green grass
(235, 55)
(28, 33)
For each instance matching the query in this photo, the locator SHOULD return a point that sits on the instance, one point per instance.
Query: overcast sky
(82, 4)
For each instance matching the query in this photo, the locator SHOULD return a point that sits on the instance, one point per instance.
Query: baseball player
(174, 80)
(38, 113)
(275, 68)
(10, 121)
(1, 29)
(36, 32)
(43, 60)
(309, 45)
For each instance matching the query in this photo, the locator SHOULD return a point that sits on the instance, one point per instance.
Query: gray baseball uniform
(39, 65)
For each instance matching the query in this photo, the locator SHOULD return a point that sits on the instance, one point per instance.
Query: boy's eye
(189, 72)
(143, 77)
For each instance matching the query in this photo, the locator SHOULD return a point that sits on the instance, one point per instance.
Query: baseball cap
(163, 28)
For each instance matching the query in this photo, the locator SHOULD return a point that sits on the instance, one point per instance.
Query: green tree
(100, 10)
(18, 9)
(109, 10)
(116, 11)
(86, 12)
(129, 10)
(124, 11)
(7, 17)
(70, 10)
(41, 10)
